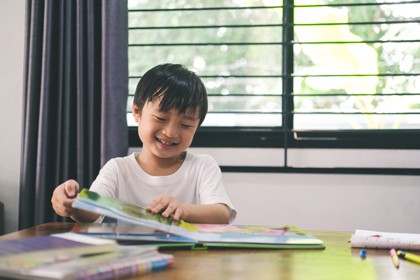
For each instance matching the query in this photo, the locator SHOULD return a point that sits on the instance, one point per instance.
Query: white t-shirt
(197, 181)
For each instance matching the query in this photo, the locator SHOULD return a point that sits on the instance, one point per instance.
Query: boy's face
(165, 134)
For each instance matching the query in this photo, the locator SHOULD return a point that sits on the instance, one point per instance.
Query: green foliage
(221, 55)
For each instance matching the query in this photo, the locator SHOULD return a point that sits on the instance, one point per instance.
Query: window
(297, 74)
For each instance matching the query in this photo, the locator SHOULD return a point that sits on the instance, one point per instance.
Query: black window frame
(286, 137)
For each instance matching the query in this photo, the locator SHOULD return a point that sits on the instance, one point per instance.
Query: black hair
(178, 88)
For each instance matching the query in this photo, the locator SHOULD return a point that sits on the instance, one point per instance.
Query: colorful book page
(224, 235)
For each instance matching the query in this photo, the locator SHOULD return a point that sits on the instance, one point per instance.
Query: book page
(200, 233)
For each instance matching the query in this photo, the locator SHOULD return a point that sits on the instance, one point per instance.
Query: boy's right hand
(63, 197)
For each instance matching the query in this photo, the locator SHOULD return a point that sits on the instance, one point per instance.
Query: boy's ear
(136, 113)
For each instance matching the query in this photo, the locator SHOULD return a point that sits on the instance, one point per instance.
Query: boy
(170, 103)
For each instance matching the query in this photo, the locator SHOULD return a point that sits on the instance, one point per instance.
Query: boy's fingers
(158, 204)
(71, 188)
(159, 207)
(178, 214)
(151, 206)
(154, 202)
(169, 210)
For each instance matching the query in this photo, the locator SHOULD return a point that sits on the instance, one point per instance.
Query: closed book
(127, 261)
(32, 251)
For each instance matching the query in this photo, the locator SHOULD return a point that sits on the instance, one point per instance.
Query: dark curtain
(75, 97)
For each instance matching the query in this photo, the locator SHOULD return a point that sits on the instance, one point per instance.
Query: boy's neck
(156, 166)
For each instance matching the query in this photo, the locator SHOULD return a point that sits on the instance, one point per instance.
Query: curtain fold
(75, 97)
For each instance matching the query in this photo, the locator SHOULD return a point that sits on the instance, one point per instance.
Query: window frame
(286, 137)
(258, 137)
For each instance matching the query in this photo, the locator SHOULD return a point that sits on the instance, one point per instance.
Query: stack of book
(74, 256)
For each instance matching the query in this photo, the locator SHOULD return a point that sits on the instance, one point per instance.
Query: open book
(200, 235)
(129, 233)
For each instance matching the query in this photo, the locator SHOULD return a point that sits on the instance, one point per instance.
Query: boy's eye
(186, 125)
(160, 119)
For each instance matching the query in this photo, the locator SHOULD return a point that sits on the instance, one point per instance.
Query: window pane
(239, 119)
(357, 121)
(356, 64)
(234, 46)
(221, 60)
(218, 35)
(353, 70)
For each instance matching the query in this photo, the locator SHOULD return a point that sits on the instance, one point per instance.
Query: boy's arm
(206, 214)
(82, 216)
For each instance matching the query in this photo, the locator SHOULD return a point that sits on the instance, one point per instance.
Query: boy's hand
(168, 206)
(63, 197)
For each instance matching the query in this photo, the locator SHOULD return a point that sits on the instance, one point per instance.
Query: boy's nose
(170, 131)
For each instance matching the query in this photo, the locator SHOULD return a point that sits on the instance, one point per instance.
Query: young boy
(170, 103)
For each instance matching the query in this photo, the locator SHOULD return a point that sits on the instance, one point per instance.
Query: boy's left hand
(168, 206)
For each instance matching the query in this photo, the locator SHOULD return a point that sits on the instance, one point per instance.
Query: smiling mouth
(166, 143)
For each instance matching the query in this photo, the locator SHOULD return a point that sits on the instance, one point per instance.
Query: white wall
(327, 202)
(324, 201)
(12, 22)
(336, 202)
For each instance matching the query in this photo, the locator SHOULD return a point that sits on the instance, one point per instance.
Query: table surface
(337, 261)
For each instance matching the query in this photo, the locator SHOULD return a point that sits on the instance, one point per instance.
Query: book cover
(125, 262)
(32, 251)
(206, 235)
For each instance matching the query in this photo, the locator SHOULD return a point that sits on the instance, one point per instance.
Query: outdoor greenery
(363, 77)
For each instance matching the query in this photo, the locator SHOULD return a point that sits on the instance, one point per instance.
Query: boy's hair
(179, 88)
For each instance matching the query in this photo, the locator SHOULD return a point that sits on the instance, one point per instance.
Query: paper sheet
(385, 240)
